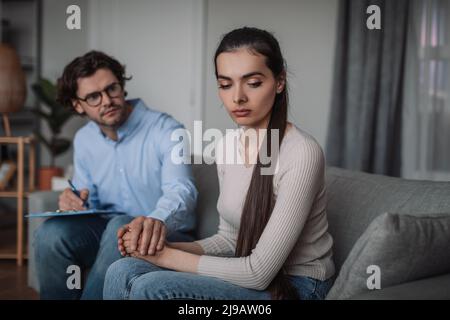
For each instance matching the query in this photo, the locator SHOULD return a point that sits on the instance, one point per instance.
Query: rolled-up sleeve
(179, 195)
(82, 177)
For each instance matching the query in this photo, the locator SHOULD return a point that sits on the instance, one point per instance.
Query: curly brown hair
(86, 66)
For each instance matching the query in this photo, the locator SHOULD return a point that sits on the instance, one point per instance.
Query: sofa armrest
(434, 288)
(40, 201)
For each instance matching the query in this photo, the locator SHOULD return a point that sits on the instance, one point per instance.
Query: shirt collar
(135, 117)
(133, 120)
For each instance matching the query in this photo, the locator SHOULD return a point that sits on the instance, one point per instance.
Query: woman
(272, 241)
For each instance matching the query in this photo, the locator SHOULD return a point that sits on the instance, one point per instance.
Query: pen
(77, 193)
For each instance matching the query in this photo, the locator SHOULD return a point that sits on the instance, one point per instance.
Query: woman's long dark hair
(260, 200)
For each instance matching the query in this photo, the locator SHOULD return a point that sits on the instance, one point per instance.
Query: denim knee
(68, 236)
(50, 236)
(151, 286)
(163, 285)
(117, 279)
(122, 274)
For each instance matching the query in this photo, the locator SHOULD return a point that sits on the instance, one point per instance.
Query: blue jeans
(132, 278)
(89, 242)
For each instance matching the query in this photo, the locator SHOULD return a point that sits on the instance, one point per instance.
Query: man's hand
(146, 235)
(126, 244)
(69, 200)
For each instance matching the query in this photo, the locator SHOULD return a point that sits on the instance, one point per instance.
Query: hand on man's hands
(70, 201)
(144, 235)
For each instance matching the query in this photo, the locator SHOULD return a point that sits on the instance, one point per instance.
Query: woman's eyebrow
(251, 74)
(245, 76)
(223, 77)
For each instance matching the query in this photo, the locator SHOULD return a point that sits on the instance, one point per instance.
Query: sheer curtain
(365, 125)
(426, 118)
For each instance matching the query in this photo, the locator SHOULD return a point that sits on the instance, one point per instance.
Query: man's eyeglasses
(94, 99)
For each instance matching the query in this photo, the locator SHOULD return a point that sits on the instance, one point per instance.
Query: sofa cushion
(207, 184)
(403, 247)
(355, 199)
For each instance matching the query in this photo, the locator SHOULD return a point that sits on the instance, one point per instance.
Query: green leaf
(41, 114)
(45, 97)
(41, 139)
(56, 117)
(59, 146)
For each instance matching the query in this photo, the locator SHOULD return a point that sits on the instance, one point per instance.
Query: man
(122, 161)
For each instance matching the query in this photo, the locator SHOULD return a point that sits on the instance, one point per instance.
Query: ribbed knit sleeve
(301, 176)
(222, 243)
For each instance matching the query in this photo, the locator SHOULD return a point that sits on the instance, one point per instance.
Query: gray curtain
(366, 109)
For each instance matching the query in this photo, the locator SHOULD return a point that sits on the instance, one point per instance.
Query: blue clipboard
(71, 213)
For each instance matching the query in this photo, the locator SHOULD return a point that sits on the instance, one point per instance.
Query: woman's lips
(241, 113)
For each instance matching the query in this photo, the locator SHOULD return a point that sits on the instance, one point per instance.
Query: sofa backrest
(356, 198)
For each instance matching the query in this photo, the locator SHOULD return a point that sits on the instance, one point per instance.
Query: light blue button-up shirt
(135, 174)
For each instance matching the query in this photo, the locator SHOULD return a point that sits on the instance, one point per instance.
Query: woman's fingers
(162, 238)
(155, 238)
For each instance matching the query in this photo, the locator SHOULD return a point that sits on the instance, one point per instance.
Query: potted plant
(56, 116)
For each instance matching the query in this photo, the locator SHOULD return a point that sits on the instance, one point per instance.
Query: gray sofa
(355, 199)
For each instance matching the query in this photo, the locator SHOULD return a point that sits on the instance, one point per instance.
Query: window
(428, 105)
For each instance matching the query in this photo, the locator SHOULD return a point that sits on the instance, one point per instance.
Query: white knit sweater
(296, 235)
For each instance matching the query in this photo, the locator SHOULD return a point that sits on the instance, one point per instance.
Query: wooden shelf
(28, 15)
(15, 140)
(11, 255)
(8, 246)
(12, 194)
(21, 191)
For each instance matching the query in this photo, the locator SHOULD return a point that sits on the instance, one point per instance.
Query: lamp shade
(13, 90)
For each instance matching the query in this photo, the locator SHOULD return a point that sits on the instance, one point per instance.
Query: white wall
(168, 45)
(160, 43)
(306, 30)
